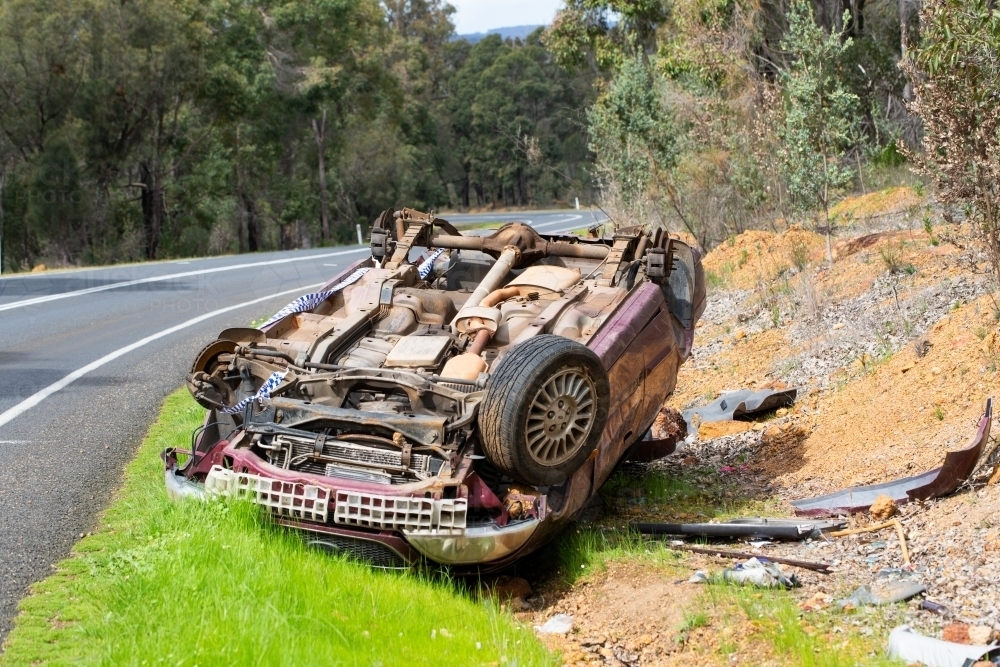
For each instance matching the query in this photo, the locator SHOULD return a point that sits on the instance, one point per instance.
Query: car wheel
(545, 410)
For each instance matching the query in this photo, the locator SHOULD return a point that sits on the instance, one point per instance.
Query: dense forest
(134, 129)
(137, 129)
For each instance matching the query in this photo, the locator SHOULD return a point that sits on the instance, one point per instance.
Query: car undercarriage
(452, 397)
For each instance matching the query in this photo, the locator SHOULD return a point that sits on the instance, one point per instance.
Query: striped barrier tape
(427, 265)
(262, 394)
(310, 301)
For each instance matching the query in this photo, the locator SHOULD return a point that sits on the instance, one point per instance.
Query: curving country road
(87, 356)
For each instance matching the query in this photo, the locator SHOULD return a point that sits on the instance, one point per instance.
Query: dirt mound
(630, 611)
(899, 417)
(883, 202)
(757, 257)
(896, 339)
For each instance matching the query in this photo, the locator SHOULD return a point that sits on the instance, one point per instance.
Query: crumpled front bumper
(471, 545)
(478, 544)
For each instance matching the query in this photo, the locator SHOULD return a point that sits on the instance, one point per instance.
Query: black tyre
(545, 410)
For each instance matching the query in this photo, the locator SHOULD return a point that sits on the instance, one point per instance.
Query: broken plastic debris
(771, 529)
(897, 591)
(559, 624)
(738, 403)
(933, 607)
(941, 481)
(760, 572)
(699, 577)
(905, 644)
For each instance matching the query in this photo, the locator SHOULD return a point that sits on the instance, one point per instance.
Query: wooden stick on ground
(879, 526)
(866, 529)
(902, 541)
(822, 568)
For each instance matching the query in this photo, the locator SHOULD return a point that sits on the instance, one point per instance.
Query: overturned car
(453, 397)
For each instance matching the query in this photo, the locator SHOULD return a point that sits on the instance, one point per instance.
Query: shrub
(956, 70)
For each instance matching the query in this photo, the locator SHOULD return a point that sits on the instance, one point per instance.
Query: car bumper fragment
(435, 528)
(478, 544)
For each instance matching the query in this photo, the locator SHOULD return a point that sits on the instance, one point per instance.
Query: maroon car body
(454, 398)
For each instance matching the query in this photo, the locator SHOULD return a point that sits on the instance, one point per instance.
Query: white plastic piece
(218, 480)
(296, 501)
(905, 644)
(559, 624)
(417, 515)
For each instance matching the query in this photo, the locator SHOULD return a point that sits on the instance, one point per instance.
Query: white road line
(187, 274)
(40, 396)
(569, 229)
(172, 276)
(569, 218)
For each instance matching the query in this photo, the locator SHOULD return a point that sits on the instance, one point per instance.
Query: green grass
(747, 621)
(582, 550)
(806, 640)
(197, 583)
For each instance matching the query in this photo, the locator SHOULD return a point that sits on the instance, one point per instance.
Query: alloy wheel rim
(561, 417)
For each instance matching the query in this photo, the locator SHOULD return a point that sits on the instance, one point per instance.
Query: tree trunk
(319, 130)
(241, 235)
(829, 243)
(904, 19)
(252, 232)
(3, 180)
(856, 22)
(152, 207)
(826, 210)
(822, 16)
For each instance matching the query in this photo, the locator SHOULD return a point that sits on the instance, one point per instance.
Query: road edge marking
(39, 396)
(153, 279)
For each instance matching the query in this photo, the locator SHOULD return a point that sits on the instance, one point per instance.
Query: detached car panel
(452, 397)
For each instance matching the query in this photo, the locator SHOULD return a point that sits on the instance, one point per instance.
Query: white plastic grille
(420, 515)
(296, 501)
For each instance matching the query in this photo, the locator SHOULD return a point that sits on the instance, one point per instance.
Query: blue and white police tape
(262, 394)
(427, 265)
(310, 301)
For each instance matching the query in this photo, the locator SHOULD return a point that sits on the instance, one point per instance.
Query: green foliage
(185, 128)
(217, 584)
(604, 34)
(632, 133)
(819, 112)
(515, 131)
(957, 67)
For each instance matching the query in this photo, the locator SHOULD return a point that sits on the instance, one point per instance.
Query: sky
(482, 15)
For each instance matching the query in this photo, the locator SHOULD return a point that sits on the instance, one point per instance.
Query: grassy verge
(769, 625)
(723, 622)
(215, 584)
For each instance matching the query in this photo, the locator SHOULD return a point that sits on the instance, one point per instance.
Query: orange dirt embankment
(878, 419)
(900, 419)
(884, 202)
(756, 258)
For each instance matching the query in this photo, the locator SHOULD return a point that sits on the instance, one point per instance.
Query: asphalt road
(86, 358)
